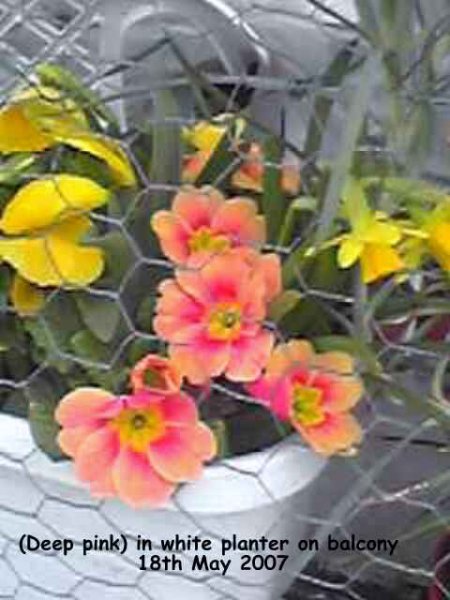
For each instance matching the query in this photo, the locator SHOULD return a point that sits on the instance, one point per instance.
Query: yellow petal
(105, 149)
(378, 261)
(204, 135)
(349, 252)
(55, 259)
(439, 244)
(42, 202)
(382, 233)
(26, 298)
(18, 134)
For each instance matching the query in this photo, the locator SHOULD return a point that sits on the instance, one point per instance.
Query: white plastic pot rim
(233, 485)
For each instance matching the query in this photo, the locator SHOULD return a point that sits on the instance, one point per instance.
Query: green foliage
(60, 78)
(100, 315)
(43, 396)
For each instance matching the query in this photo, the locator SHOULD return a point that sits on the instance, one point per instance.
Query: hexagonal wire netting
(271, 58)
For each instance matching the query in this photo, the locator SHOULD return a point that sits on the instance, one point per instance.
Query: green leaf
(60, 319)
(4, 286)
(63, 79)
(44, 396)
(100, 315)
(284, 304)
(438, 382)
(407, 191)
(118, 258)
(303, 204)
(14, 167)
(88, 347)
(341, 168)
(341, 65)
(167, 154)
(219, 164)
(355, 205)
(273, 201)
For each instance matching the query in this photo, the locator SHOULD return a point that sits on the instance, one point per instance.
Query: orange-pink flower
(212, 317)
(250, 174)
(314, 392)
(202, 223)
(155, 374)
(136, 447)
(193, 165)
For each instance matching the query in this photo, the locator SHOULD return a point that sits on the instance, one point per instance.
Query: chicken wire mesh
(397, 485)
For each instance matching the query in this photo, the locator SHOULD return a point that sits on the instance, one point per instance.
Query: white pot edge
(234, 485)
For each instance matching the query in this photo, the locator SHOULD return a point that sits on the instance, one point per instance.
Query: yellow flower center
(204, 240)
(225, 322)
(306, 405)
(139, 427)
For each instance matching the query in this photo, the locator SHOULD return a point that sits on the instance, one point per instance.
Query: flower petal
(337, 433)
(179, 409)
(179, 317)
(178, 456)
(342, 394)
(41, 203)
(378, 261)
(173, 235)
(26, 298)
(286, 358)
(96, 455)
(249, 355)
(275, 393)
(238, 220)
(193, 165)
(86, 405)
(155, 374)
(335, 362)
(349, 252)
(201, 360)
(439, 243)
(70, 439)
(53, 260)
(18, 134)
(382, 233)
(196, 207)
(103, 487)
(137, 483)
(105, 149)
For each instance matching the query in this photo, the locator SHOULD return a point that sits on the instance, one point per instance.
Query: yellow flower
(41, 117)
(434, 240)
(206, 135)
(372, 240)
(44, 226)
(373, 243)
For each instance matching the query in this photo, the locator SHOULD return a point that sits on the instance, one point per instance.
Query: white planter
(264, 493)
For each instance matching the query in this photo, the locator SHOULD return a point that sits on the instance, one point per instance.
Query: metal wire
(386, 490)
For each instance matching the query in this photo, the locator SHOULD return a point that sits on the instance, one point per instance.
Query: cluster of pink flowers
(213, 316)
